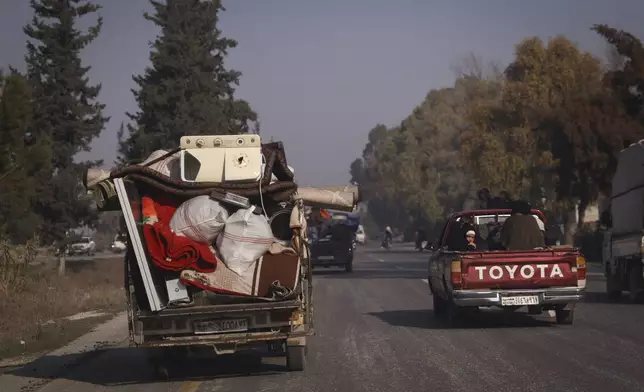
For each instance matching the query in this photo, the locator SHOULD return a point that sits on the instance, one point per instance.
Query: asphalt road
(376, 332)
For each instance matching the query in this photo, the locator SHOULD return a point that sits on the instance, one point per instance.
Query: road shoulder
(36, 374)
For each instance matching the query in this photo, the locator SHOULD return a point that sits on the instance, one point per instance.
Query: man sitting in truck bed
(521, 231)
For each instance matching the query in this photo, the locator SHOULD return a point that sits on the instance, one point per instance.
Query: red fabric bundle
(168, 250)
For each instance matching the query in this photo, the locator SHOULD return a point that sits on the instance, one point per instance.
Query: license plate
(325, 258)
(203, 327)
(520, 300)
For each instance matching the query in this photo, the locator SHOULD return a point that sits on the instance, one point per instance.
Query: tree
(628, 79)
(22, 160)
(66, 108)
(187, 89)
(66, 111)
(414, 172)
(557, 128)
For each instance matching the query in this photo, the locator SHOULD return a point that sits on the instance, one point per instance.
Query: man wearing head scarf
(521, 231)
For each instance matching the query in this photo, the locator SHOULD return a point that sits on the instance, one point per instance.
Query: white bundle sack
(199, 219)
(245, 238)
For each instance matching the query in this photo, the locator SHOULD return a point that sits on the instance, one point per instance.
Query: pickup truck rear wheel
(296, 358)
(455, 314)
(635, 283)
(440, 306)
(565, 316)
(613, 285)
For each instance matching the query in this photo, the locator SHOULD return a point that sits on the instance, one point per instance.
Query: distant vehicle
(541, 279)
(361, 237)
(120, 244)
(333, 249)
(84, 246)
(623, 244)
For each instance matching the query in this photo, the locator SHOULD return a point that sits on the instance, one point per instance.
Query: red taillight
(456, 272)
(581, 268)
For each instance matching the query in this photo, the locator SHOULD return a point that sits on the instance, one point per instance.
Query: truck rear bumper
(554, 295)
(235, 339)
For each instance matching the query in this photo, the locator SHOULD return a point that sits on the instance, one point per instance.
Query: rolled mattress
(344, 200)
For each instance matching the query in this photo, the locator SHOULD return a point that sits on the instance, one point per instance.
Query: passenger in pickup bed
(457, 241)
(463, 237)
(470, 237)
(521, 231)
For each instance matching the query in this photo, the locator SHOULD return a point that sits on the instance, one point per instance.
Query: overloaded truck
(623, 247)
(217, 254)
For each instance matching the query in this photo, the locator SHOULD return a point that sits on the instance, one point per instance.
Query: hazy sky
(321, 74)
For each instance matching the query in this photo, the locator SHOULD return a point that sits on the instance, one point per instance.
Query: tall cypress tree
(22, 160)
(187, 90)
(66, 111)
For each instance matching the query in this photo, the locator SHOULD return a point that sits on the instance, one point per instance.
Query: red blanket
(170, 251)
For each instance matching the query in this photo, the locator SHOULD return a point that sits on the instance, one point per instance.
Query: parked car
(120, 244)
(84, 246)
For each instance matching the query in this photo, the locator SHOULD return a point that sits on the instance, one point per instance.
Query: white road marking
(381, 260)
(425, 280)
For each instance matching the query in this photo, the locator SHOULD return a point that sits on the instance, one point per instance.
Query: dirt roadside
(41, 311)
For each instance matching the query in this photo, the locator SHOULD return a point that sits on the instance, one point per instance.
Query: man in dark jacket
(521, 231)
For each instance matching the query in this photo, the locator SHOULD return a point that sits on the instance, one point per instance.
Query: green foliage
(22, 160)
(628, 80)
(547, 130)
(187, 89)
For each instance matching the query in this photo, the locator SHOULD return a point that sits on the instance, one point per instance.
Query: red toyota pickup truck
(542, 279)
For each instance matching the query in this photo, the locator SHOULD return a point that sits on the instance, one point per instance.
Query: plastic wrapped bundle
(200, 219)
(245, 238)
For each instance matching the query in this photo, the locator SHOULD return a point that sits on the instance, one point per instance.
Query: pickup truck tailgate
(518, 270)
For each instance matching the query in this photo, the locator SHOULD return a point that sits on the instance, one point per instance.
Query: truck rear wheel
(440, 306)
(456, 314)
(635, 283)
(565, 316)
(613, 285)
(296, 358)
(614, 295)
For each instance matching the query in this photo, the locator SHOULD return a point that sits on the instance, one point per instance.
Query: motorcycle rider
(388, 236)
(420, 238)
